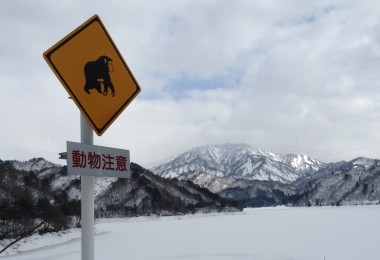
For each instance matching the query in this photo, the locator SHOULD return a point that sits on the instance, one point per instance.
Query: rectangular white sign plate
(93, 160)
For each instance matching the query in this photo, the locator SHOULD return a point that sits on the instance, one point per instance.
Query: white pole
(87, 198)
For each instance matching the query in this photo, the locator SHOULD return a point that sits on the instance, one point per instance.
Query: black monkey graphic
(97, 72)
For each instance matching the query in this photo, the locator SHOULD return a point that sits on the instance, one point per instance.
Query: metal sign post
(87, 198)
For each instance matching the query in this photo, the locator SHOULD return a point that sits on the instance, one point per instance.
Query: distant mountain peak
(238, 161)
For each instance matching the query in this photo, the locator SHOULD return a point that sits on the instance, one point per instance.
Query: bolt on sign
(94, 160)
(93, 72)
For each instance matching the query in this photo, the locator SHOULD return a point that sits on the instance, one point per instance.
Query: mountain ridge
(34, 164)
(239, 161)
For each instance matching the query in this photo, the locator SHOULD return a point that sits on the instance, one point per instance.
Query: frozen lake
(325, 233)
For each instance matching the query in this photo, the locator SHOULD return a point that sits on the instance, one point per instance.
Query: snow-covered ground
(325, 233)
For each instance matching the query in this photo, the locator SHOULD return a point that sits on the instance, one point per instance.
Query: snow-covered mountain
(237, 161)
(353, 182)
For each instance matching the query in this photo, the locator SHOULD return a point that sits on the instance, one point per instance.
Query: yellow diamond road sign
(92, 70)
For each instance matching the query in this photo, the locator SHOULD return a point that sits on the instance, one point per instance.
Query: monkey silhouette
(97, 73)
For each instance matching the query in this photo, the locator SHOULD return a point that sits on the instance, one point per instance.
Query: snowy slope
(302, 163)
(145, 193)
(238, 161)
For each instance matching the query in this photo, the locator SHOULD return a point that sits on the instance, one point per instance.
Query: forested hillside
(31, 195)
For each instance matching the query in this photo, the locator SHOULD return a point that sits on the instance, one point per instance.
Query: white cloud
(294, 76)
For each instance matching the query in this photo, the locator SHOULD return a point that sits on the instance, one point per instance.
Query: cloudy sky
(287, 75)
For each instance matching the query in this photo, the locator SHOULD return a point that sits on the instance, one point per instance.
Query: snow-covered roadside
(37, 241)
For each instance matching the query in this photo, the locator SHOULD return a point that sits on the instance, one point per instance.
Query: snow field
(336, 233)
